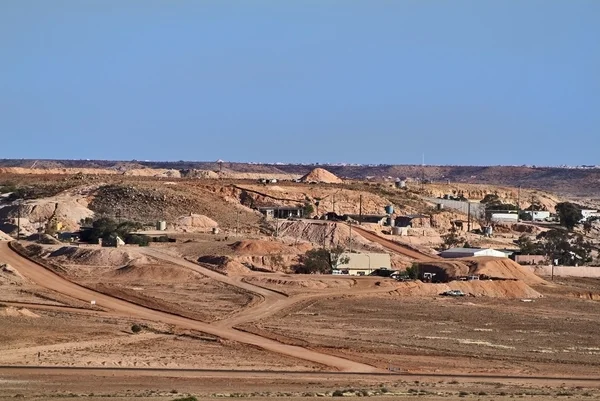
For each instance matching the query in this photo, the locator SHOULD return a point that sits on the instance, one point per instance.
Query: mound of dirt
(478, 288)
(300, 282)
(5, 237)
(195, 222)
(163, 273)
(68, 211)
(224, 264)
(501, 268)
(117, 257)
(8, 275)
(320, 175)
(44, 239)
(194, 173)
(151, 172)
(322, 233)
(260, 247)
(11, 311)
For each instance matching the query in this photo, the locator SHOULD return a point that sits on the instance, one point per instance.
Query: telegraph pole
(277, 222)
(359, 211)
(19, 203)
(350, 224)
(469, 217)
(519, 204)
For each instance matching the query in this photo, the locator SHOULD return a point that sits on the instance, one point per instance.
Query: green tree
(527, 246)
(321, 261)
(308, 209)
(493, 202)
(568, 248)
(413, 271)
(452, 239)
(569, 214)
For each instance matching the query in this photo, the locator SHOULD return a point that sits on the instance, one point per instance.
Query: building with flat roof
(363, 264)
(281, 212)
(471, 252)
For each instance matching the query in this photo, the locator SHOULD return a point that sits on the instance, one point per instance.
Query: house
(69, 236)
(505, 217)
(471, 253)
(538, 215)
(588, 213)
(281, 212)
(367, 218)
(363, 264)
(409, 220)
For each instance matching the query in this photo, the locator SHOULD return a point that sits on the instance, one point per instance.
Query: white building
(505, 217)
(471, 253)
(587, 213)
(538, 215)
(362, 264)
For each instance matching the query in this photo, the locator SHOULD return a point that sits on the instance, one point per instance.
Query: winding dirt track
(393, 246)
(47, 279)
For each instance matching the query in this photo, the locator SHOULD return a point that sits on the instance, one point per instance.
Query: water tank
(389, 209)
(161, 225)
(390, 221)
(488, 231)
(396, 230)
(440, 206)
(215, 230)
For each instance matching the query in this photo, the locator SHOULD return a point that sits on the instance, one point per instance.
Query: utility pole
(519, 204)
(19, 204)
(469, 217)
(359, 211)
(350, 246)
(423, 172)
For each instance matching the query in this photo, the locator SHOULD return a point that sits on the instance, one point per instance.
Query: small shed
(471, 252)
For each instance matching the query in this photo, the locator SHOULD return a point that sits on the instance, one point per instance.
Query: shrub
(136, 328)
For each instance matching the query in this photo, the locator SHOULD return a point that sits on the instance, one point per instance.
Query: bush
(190, 398)
(413, 271)
(321, 261)
(136, 328)
(338, 393)
(138, 239)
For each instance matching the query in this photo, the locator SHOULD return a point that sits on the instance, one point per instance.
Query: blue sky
(373, 81)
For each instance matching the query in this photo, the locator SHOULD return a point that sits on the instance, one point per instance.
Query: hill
(564, 181)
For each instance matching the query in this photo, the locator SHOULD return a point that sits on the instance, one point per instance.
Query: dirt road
(271, 301)
(393, 246)
(49, 280)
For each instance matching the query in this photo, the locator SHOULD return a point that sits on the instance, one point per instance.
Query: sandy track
(24, 371)
(47, 279)
(393, 246)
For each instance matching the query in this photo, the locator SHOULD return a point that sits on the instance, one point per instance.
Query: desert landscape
(162, 284)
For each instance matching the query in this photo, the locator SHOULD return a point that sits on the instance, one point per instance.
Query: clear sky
(372, 81)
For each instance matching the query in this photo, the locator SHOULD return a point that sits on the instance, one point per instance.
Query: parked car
(453, 293)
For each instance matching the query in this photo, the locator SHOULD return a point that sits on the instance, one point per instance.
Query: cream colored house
(363, 264)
